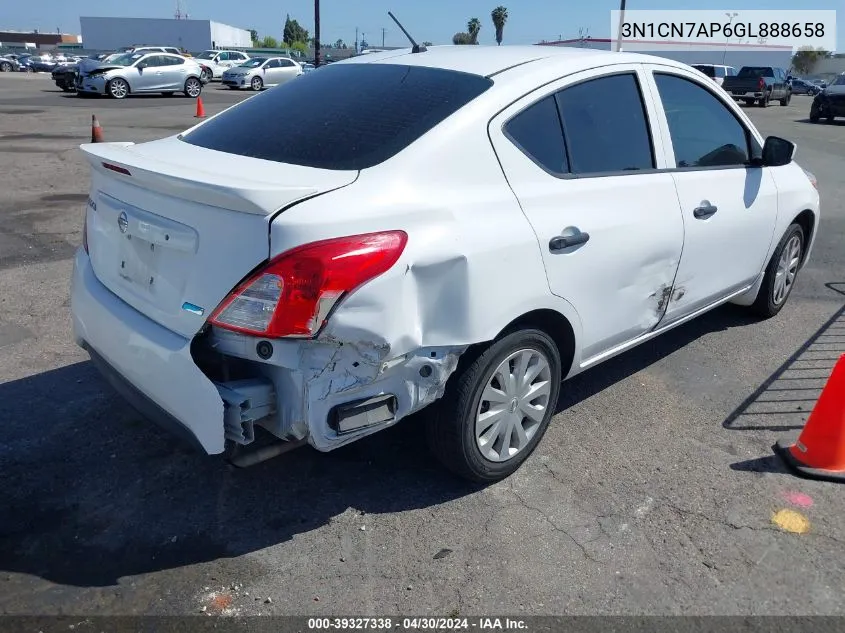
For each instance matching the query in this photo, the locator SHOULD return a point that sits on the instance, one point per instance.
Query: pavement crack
(556, 527)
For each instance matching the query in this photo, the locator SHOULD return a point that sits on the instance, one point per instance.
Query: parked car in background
(759, 84)
(40, 63)
(803, 87)
(830, 102)
(132, 73)
(261, 72)
(221, 61)
(8, 65)
(716, 72)
(223, 284)
(173, 50)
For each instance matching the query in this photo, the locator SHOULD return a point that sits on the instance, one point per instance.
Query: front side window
(704, 132)
(605, 126)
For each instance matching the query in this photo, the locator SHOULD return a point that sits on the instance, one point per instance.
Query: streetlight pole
(316, 33)
(731, 17)
(621, 22)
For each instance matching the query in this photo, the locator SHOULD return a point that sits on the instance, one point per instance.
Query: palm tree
(473, 27)
(500, 16)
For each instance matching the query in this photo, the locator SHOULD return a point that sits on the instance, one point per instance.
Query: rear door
(287, 71)
(729, 207)
(175, 72)
(580, 156)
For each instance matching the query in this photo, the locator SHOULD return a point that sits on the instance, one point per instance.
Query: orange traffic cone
(96, 130)
(200, 109)
(819, 452)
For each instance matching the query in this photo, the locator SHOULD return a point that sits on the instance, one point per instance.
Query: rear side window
(754, 72)
(707, 70)
(720, 71)
(537, 133)
(605, 126)
(348, 116)
(704, 132)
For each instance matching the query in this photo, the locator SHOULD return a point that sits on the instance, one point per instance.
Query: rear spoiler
(234, 192)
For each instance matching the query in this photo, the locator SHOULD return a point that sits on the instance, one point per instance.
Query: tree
(293, 32)
(253, 35)
(339, 44)
(462, 38)
(500, 16)
(806, 58)
(269, 42)
(473, 27)
(427, 44)
(302, 47)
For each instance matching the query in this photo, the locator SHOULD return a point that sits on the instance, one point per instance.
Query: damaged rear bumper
(327, 392)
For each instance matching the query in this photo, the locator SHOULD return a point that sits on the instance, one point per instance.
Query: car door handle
(705, 210)
(562, 242)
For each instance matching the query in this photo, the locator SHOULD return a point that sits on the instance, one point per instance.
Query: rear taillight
(85, 232)
(761, 85)
(293, 294)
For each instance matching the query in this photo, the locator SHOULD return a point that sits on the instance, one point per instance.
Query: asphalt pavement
(655, 490)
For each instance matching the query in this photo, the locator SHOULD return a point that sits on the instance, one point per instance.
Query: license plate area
(138, 262)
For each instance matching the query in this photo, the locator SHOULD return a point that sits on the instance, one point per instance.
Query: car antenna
(416, 47)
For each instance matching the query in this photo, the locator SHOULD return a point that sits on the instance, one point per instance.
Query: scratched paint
(791, 521)
(798, 499)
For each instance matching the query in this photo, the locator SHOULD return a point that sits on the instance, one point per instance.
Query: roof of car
(491, 60)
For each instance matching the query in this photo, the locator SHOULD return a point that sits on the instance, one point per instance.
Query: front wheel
(785, 100)
(497, 408)
(5, 67)
(256, 84)
(781, 273)
(117, 88)
(193, 87)
(206, 76)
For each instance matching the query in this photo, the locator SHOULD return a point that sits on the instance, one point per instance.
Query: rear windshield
(755, 71)
(343, 116)
(707, 70)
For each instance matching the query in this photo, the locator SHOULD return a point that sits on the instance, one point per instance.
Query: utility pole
(317, 33)
(382, 36)
(356, 40)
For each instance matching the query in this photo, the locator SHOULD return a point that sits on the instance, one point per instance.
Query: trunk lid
(174, 235)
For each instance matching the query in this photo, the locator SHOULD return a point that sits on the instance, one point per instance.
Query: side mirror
(778, 151)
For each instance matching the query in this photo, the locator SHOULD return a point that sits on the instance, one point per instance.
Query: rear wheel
(497, 408)
(749, 102)
(5, 67)
(117, 88)
(193, 87)
(764, 102)
(781, 273)
(785, 100)
(256, 84)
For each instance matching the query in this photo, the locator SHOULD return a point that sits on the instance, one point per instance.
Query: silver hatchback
(142, 72)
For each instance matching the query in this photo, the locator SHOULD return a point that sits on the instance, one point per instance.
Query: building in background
(100, 34)
(727, 53)
(34, 39)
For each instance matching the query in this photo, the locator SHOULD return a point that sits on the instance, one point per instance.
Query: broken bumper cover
(147, 364)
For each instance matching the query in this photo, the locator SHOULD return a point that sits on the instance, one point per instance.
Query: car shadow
(837, 122)
(94, 493)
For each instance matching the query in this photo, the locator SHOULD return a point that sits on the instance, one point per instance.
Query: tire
(206, 76)
(5, 67)
(117, 88)
(451, 422)
(814, 115)
(774, 295)
(764, 102)
(193, 87)
(749, 102)
(257, 83)
(785, 100)
(830, 118)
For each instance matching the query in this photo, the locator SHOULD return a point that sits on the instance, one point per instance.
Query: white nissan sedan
(457, 230)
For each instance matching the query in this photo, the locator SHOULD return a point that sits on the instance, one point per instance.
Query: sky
(529, 21)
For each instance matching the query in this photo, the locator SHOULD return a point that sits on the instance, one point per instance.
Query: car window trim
(597, 174)
(752, 147)
(522, 149)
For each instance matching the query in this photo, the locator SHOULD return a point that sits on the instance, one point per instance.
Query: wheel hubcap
(787, 269)
(118, 89)
(193, 88)
(513, 405)
(256, 84)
